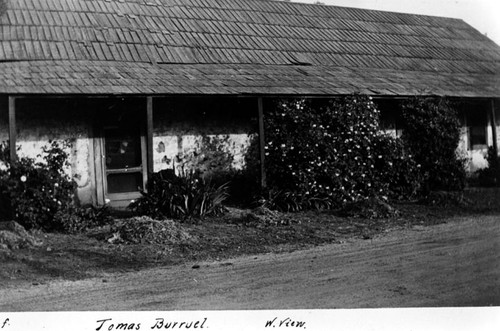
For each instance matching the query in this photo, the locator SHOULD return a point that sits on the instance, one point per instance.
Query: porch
(117, 141)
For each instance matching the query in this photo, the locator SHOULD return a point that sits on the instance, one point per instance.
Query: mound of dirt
(145, 230)
(15, 236)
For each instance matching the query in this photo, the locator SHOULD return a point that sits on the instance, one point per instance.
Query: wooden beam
(99, 166)
(494, 127)
(262, 144)
(12, 130)
(149, 134)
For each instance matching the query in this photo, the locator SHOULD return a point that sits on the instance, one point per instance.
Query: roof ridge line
(311, 5)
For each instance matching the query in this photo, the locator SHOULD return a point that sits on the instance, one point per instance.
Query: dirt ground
(455, 263)
(87, 255)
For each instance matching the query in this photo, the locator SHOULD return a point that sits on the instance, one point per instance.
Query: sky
(484, 15)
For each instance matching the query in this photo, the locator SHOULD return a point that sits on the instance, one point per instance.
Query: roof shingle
(269, 40)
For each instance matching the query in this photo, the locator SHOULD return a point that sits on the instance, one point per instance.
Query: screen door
(124, 155)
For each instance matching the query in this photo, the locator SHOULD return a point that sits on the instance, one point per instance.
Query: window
(390, 117)
(477, 123)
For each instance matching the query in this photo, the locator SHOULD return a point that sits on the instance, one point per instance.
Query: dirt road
(451, 264)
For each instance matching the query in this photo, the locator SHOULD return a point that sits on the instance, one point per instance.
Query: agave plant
(181, 196)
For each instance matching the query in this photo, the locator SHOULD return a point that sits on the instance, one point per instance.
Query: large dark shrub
(321, 154)
(242, 185)
(180, 197)
(432, 133)
(397, 168)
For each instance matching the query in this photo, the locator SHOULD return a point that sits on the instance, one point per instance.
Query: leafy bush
(180, 197)
(40, 195)
(322, 154)
(242, 185)
(397, 169)
(432, 133)
(490, 176)
(36, 191)
(286, 201)
(73, 219)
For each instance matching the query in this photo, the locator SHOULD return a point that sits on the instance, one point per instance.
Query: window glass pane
(125, 182)
(123, 149)
(390, 115)
(477, 135)
(477, 121)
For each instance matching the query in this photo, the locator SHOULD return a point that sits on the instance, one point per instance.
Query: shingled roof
(238, 47)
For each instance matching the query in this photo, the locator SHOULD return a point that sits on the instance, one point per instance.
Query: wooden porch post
(262, 144)
(494, 127)
(149, 134)
(12, 130)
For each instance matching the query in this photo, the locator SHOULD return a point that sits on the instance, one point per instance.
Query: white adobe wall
(199, 144)
(37, 126)
(167, 146)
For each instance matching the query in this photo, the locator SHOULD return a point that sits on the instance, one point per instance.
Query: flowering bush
(37, 191)
(331, 153)
(40, 195)
(432, 133)
(397, 169)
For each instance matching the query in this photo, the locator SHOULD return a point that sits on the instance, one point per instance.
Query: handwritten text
(285, 323)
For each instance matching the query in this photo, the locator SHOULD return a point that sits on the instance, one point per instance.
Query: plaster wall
(39, 121)
(175, 151)
(202, 136)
